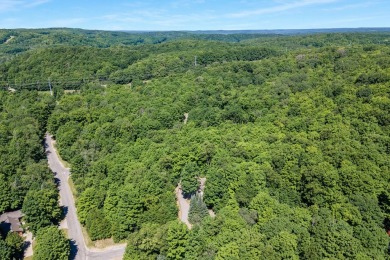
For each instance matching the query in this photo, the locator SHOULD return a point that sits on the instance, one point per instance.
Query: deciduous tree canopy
(291, 133)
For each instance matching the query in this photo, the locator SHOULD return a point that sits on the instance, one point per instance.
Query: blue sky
(194, 14)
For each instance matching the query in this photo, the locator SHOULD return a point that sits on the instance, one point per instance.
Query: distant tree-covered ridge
(70, 67)
(17, 41)
(55, 54)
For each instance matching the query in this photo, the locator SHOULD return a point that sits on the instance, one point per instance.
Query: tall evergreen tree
(198, 209)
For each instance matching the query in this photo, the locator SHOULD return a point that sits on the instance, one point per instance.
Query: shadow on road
(56, 180)
(46, 145)
(25, 245)
(73, 249)
(64, 212)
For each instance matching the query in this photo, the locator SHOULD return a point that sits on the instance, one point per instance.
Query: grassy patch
(87, 239)
(66, 232)
(70, 91)
(104, 243)
(100, 244)
(65, 163)
(44, 92)
(72, 188)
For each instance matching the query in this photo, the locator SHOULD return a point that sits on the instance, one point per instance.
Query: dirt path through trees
(9, 40)
(184, 204)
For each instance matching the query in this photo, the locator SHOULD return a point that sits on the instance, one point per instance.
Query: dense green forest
(25, 180)
(70, 57)
(23, 118)
(292, 134)
(17, 41)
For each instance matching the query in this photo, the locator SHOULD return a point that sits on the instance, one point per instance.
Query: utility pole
(51, 92)
(195, 61)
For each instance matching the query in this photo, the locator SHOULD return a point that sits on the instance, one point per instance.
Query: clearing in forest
(184, 204)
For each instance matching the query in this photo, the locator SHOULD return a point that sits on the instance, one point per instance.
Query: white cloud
(158, 19)
(29, 4)
(8, 4)
(281, 7)
(352, 6)
(362, 21)
(12, 5)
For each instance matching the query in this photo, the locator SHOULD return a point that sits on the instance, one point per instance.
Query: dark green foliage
(97, 225)
(23, 118)
(189, 179)
(250, 216)
(25, 179)
(5, 250)
(51, 244)
(41, 208)
(198, 210)
(15, 242)
(252, 179)
(372, 78)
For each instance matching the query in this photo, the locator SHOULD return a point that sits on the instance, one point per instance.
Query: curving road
(79, 248)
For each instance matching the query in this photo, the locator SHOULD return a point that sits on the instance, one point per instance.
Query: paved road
(79, 249)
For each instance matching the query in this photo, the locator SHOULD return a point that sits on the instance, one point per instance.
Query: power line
(50, 84)
(51, 92)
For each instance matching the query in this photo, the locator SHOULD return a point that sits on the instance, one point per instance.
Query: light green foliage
(177, 240)
(284, 245)
(266, 206)
(197, 242)
(229, 251)
(51, 244)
